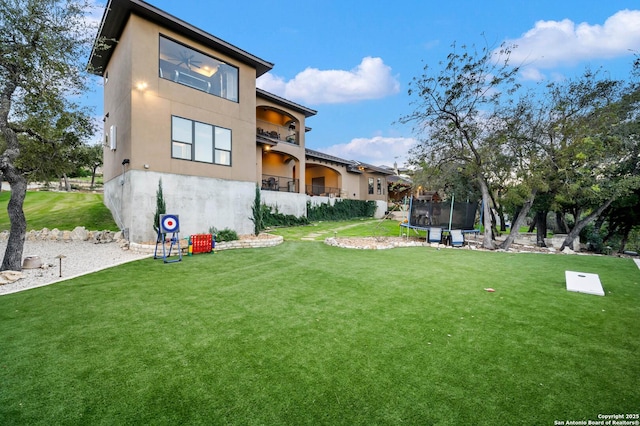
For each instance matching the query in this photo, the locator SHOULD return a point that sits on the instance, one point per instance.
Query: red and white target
(169, 223)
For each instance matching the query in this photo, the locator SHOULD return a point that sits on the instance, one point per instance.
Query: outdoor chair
(435, 235)
(457, 238)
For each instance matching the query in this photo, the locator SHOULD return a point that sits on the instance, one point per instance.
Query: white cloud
(371, 79)
(556, 43)
(376, 151)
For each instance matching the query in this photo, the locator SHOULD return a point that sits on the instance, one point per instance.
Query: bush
(275, 218)
(225, 234)
(341, 210)
(257, 213)
(592, 238)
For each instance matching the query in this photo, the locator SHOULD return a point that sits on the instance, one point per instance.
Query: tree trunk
(15, 245)
(487, 241)
(561, 223)
(625, 237)
(499, 209)
(580, 224)
(18, 230)
(541, 227)
(93, 176)
(67, 185)
(515, 225)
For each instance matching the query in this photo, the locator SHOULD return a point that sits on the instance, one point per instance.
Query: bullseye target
(169, 223)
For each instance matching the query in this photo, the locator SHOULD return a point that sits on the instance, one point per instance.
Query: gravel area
(81, 257)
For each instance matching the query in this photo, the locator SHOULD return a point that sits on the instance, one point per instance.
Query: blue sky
(352, 61)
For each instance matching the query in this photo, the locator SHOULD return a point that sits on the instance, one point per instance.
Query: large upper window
(195, 141)
(187, 66)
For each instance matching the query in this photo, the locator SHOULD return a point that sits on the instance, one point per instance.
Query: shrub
(225, 234)
(592, 237)
(341, 210)
(161, 207)
(257, 211)
(275, 218)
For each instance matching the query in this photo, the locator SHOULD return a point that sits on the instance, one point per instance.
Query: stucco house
(182, 106)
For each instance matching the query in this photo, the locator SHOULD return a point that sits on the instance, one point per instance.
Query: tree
(161, 207)
(257, 213)
(92, 158)
(43, 45)
(459, 107)
(597, 155)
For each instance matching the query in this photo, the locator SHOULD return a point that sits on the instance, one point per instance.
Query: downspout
(125, 231)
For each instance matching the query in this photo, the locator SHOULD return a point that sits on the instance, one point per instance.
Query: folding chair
(457, 238)
(435, 235)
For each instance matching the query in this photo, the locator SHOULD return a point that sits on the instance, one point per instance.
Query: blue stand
(174, 241)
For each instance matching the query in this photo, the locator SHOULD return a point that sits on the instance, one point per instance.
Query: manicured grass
(62, 210)
(318, 231)
(304, 333)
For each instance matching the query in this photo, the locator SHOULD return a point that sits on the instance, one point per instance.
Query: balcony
(322, 190)
(279, 183)
(280, 133)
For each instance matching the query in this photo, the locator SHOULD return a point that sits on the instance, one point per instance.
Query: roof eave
(308, 112)
(117, 14)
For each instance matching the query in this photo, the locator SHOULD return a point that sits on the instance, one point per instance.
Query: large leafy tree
(594, 161)
(459, 107)
(43, 49)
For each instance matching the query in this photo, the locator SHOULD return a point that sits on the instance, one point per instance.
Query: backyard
(304, 333)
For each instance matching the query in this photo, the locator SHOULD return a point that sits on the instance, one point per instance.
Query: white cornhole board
(637, 262)
(583, 282)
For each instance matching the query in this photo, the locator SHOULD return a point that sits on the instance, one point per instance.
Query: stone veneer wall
(79, 233)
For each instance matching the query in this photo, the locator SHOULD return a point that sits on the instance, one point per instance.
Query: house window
(379, 186)
(370, 185)
(195, 141)
(186, 66)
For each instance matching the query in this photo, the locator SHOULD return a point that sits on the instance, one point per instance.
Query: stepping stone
(583, 282)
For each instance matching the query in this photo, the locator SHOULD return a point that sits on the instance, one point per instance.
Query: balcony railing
(279, 183)
(326, 191)
(273, 131)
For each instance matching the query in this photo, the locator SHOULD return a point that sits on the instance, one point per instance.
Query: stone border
(245, 241)
(374, 243)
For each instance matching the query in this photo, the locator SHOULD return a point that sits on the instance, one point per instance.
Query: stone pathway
(313, 236)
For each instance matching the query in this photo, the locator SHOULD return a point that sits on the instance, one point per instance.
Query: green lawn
(304, 333)
(318, 231)
(62, 210)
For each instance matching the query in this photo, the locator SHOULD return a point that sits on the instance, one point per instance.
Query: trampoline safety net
(429, 213)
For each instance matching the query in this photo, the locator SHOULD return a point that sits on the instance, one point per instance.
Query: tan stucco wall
(147, 113)
(117, 105)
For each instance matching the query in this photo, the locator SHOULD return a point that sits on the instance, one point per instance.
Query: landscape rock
(79, 233)
(7, 277)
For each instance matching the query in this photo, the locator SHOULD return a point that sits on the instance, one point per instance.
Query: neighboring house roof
(308, 112)
(115, 18)
(317, 155)
(383, 170)
(352, 166)
(399, 179)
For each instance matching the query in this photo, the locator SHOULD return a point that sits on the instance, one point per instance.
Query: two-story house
(181, 106)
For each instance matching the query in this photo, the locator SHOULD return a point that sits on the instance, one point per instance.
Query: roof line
(116, 15)
(308, 112)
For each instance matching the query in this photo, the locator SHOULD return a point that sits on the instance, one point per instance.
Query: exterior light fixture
(142, 85)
